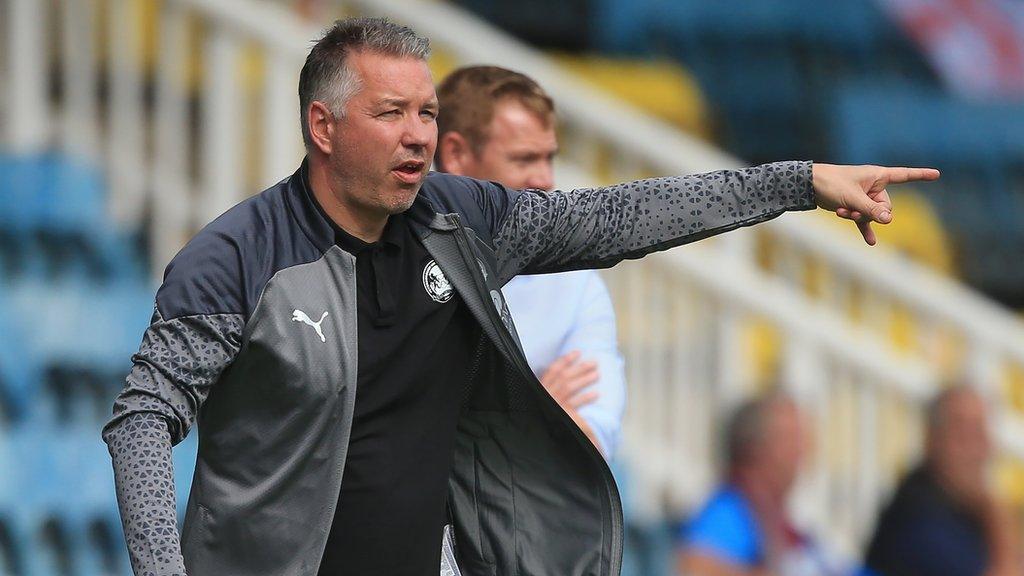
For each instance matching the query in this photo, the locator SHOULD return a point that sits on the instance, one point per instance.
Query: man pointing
(418, 415)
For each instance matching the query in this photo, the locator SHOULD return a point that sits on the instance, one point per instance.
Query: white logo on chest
(300, 316)
(436, 284)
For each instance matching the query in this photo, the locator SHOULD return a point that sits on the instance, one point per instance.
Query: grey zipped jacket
(529, 495)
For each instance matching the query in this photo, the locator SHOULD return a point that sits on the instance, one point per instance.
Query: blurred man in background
(944, 519)
(499, 125)
(745, 529)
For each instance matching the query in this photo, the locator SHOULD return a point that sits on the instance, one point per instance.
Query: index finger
(900, 175)
(867, 232)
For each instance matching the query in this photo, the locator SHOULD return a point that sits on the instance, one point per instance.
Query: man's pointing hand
(859, 193)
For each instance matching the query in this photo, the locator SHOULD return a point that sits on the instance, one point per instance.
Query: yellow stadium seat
(662, 88)
(915, 232)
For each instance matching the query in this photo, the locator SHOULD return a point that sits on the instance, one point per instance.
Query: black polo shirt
(415, 338)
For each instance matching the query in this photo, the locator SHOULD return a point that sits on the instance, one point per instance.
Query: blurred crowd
(943, 519)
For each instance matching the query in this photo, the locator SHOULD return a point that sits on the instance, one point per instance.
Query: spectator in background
(745, 529)
(499, 125)
(310, 10)
(944, 519)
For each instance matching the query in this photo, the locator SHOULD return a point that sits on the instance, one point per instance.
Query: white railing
(218, 131)
(597, 126)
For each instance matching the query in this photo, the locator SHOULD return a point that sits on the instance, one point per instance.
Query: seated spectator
(944, 519)
(745, 529)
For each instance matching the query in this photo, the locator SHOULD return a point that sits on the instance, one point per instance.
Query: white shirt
(555, 314)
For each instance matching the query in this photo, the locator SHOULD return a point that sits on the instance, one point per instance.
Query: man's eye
(429, 114)
(391, 113)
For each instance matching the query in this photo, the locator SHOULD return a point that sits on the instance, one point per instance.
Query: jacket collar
(311, 219)
(424, 212)
(320, 229)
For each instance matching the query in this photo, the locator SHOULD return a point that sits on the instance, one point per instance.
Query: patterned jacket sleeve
(171, 376)
(194, 335)
(598, 227)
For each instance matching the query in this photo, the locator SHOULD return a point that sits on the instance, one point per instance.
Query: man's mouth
(409, 171)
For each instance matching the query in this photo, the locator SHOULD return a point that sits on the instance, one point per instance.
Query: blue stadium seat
(74, 303)
(57, 501)
(619, 26)
(901, 123)
(29, 504)
(52, 222)
(20, 371)
(77, 340)
(766, 66)
(96, 538)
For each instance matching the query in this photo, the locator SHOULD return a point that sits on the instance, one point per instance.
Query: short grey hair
(326, 76)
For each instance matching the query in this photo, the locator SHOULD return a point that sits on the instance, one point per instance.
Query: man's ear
(454, 153)
(321, 126)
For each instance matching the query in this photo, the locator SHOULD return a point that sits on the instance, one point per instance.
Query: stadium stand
(75, 300)
(766, 68)
(981, 149)
(662, 88)
(783, 79)
(76, 268)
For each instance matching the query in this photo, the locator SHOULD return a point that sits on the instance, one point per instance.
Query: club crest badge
(436, 284)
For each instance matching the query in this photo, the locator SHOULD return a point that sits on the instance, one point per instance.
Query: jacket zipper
(506, 339)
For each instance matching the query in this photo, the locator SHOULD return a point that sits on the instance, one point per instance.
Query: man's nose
(418, 133)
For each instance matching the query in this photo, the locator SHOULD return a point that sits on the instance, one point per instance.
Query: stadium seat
(28, 506)
(662, 88)
(74, 303)
(20, 371)
(767, 68)
(77, 342)
(53, 225)
(57, 504)
(619, 26)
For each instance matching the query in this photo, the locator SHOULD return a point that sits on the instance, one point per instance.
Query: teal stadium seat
(767, 66)
(53, 223)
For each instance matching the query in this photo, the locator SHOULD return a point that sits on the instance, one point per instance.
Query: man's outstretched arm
(598, 227)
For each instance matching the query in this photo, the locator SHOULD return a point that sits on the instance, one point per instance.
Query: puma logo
(300, 316)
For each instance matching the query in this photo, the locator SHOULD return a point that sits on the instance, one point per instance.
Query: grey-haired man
(417, 410)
